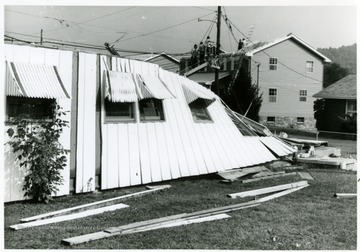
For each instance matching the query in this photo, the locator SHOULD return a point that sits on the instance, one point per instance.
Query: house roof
(163, 54)
(251, 53)
(206, 78)
(342, 89)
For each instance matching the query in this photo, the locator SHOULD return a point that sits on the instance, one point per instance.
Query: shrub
(38, 150)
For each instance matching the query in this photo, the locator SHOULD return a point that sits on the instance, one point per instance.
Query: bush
(40, 152)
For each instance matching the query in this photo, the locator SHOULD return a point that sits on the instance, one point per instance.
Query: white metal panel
(144, 154)
(135, 172)
(85, 169)
(123, 155)
(113, 160)
(153, 153)
(163, 151)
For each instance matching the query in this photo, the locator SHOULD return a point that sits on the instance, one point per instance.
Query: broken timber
(68, 217)
(158, 223)
(269, 177)
(280, 194)
(85, 206)
(237, 173)
(268, 190)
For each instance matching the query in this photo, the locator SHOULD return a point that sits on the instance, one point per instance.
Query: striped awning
(193, 92)
(121, 87)
(34, 81)
(153, 87)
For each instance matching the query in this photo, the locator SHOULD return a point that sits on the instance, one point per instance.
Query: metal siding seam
(18, 79)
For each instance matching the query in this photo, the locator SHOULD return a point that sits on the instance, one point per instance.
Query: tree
(245, 96)
(332, 73)
(39, 151)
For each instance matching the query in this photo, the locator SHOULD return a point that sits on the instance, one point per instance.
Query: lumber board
(83, 207)
(280, 194)
(68, 217)
(237, 173)
(345, 195)
(182, 222)
(167, 221)
(269, 177)
(305, 175)
(267, 190)
(102, 234)
(267, 173)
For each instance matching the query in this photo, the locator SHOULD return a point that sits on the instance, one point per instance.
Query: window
(303, 95)
(272, 94)
(199, 111)
(119, 111)
(273, 64)
(34, 109)
(351, 107)
(300, 120)
(270, 119)
(151, 110)
(309, 66)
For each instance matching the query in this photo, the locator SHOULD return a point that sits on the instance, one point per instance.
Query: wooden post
(217, 49)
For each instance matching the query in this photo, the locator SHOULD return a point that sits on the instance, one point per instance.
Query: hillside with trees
(343, 63)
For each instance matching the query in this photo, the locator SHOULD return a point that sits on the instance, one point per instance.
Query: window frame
(273, 96)
(301, 121)
(159, 109)
(349, 111)
(204, 109)
(273, 64)
(309, 68)
(270, 121)
(41, 104)
(302, 95)
(120, 119)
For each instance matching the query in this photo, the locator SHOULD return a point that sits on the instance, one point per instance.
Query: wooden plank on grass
(305, 175)
(267, 190)
(166, 221)
(268, 177)
(345, 195)
(83, 207)
(280, 194)
(68, 217)
(237, 173)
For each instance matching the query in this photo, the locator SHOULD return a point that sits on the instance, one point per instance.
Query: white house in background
(289, 72)
(131, 122)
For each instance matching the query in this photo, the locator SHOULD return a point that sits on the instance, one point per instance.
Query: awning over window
(121, 87)
(34, 81)
(193, 92)
(153, 87)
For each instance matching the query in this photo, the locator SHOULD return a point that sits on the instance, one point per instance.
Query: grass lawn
(307, 219)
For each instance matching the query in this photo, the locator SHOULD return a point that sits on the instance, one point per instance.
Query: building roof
(206, 78)
(163, 54)
(342, 89)
(251, 53)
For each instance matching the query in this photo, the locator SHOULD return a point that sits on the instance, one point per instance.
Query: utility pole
(218, 24)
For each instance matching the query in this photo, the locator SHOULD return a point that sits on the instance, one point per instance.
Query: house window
(273, 64)
(270, 119)
(300, 120)
(33, 109)
(151, 110)
(199, 111)
(351, 107)
(119, 111)
(303, 95)
(309, 66)
(272, 94)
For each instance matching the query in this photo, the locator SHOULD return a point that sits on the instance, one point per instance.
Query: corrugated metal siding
(121, 87)
(165, 63)
(38, 81)
(145, 152)
(287, 82)
(13, 176)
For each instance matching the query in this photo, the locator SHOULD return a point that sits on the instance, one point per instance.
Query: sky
(175, 29)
